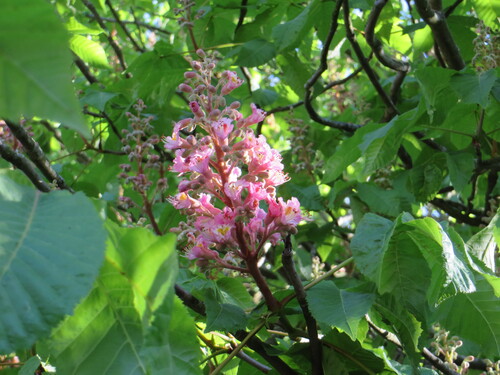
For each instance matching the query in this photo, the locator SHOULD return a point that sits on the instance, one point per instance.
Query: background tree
(386, 116)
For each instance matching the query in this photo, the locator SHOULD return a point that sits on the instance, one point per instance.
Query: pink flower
(291, 214)
(233, 82)
(257, 116)
(222, 128)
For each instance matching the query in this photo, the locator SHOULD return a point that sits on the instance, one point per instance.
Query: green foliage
(58, 240)
(399, 171)
(34, 63)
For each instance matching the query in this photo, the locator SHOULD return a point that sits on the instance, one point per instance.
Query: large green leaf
(474, 88)
(171, 345)
(382, 201)
(35, 65)
(339, 308)
(476, 316)
(223, 316)
(89, 51)
(254, 53)
(483, 244)
(450, 273)
(110, 323)
(51, 248)
(387, 310)
(488, 11)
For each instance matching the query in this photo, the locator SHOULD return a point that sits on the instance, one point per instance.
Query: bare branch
(364, 62)
(442, 35)
(37, 156)
(243, 13)
(112, 42)
(23, 164)
(124, 28)
(312, 330)
(137, 23)
(346, 126)
(376, 44)
(84, 69)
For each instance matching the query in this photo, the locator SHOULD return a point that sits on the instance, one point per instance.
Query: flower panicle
(229, 174)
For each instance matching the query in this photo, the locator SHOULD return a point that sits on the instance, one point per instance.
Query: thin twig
(346, 126)
(25, 165)
(376, 44)
(112, 42)
(36, 155)
(364, 62)
(84, 69)
(240, 346)
(312, 330)
(137, 23)
(124, 28)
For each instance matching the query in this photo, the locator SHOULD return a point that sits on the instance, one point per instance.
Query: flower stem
(271, 302)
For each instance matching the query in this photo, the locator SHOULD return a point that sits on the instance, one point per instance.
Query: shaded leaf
(255, 53)
(36, 76)
(51, 248)
(483, 244)
(474, 88)
(475, 316)
(223, 316)
(338, 308)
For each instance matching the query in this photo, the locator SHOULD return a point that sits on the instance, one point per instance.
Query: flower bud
(201, 53)
(185, 88)
(235, 105)
(196, 65)
(189, 75)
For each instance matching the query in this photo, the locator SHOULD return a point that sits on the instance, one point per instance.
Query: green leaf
(382, 201)
(97, 99)
(353, 355)
(450, 274)
(346, 154)
(89, 51)
(475, 316)
(289, 34)
(309, 197)
(171, 345)
(460, 166)
(232, 291)
(255, 53)
(138, 274)
(432, 82)
(30, 366)
(147, 261)
(223, 316)
(488, 11)
(36, 77)
(338, 308)
(474, 88)
(369, 244)
(76, 27)
(51, 247)
(483, 244)
(403, 324)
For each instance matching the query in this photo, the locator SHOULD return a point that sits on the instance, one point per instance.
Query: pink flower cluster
(229, 175)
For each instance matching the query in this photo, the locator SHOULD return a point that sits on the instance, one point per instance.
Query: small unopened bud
(293, 230)
(200, 88)
(235, 105)
(191, 139)
(201, 53)
(185, 88)
(189, 75)
(226, 148)
(196, 65)
(211, 66)
(212, 89)
(214, 114)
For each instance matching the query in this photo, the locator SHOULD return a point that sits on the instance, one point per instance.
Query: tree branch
(312, 330)
(243, 13)
(124, 28)
(364, 62)
(376, 44)
(25, 165)
(458, 211)
(112, 42)
(442, 35)
(37, 156)
(84, 69)
(139, 23)
(345, 126)
(253, 343)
